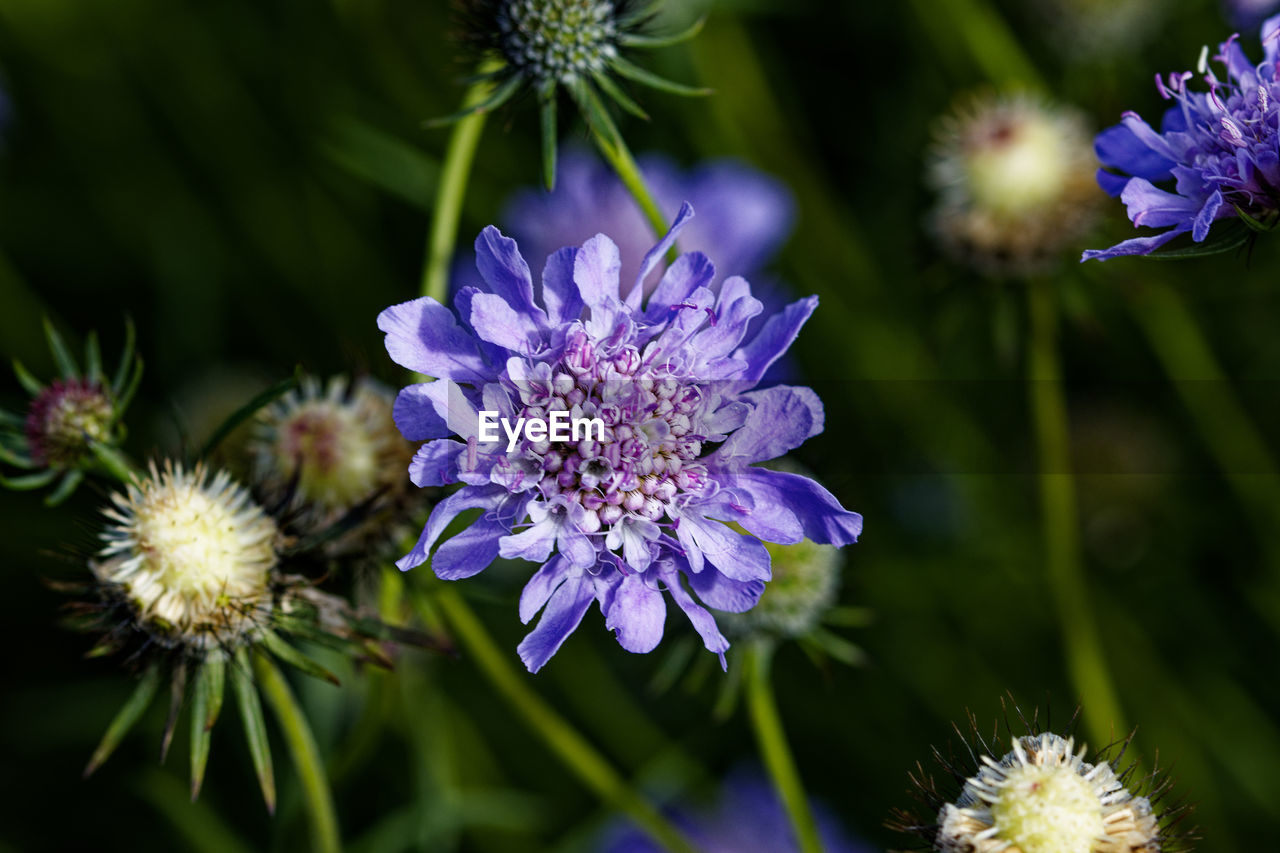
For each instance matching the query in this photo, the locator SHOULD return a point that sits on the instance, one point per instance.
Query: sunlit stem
(451, 190)
(563, 740)
(614, 149)
(772, 739)
(304, 752)
(1086, 661)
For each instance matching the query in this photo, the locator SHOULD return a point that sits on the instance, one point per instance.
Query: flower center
(558, 39)
(335, 456)
(1018, 166)
(194, 559)
(1048, 809)
(647, 456)
(64, 418)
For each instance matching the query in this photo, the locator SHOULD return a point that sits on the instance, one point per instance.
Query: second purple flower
(638, 508)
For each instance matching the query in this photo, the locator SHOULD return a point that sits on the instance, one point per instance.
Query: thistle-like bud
(1015, 178)
(193, 557)
(542, 45)
(1042, 796)
(326, 452)
(73, 424)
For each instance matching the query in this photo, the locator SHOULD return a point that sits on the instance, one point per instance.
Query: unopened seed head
(64, 419)
(192, 555)
(1043, 797)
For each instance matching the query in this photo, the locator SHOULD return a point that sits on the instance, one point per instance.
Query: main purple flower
(620, 517)
(743, 214)
(1221, 148)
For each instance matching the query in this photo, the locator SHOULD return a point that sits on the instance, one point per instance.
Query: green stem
(1229, 434)
(570, 747)
(773, 746)
(450, 192)
(991, 43)
(1086, 661)
(113, 462)
(614, 149)
(304, 752)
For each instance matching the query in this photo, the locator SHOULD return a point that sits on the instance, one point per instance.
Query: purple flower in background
(637, 506)
(749, 818)
(1220, 148)
(743, 215)
(1247, 14)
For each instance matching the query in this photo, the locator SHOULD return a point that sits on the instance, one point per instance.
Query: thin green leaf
(201, 734)
(214, 672)
(647, 42)
(70, 482)
(839, 648)
(383, 160)
(613, 90)
(113, 461)
(28, 482)
(177, 695)
(16, 459)
(126, 718)
(32, 385)
(634, 72)
(92, 358)
(1228, 239)
(247, 411)
(295, 658)
(255, 727)
(1255, 224)
(547, 117)
(503, 93)
(61, 355)
(850, 617)
(10, 419)
(125, 397)
(597, 117)
(126, 358)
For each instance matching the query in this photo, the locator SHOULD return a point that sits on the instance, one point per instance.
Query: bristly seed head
(194, 557)
(558, 40)
(1016, 183)
(64, 418)
(1043, 797)
(335, 447)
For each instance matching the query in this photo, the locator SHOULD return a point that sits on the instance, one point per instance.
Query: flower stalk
(304, 752)
(772, 739)
(569, 746)
(1083, 646)
(452, 189)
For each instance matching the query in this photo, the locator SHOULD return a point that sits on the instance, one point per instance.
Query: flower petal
(637, 615)
(825, 521)
(774, 338)
(423, 335)
(436, 463)
(568, 604)
(782, 419)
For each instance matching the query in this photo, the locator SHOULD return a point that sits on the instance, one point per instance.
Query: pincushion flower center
(1020, 166)
(1048, 809)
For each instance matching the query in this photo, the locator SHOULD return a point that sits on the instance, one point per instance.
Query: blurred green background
(251, 183)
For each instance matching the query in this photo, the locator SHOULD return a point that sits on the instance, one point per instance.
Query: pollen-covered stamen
(64, 418)
(640, 467)
(193, 557)
(1043, 797)
(558, 40)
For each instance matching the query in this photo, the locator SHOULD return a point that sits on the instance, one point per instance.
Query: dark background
(251, 183)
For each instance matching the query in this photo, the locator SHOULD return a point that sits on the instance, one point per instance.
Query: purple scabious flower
(749, 818)
(638, 507)
(1220, 148)
(744, 215)
(1247, 14)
